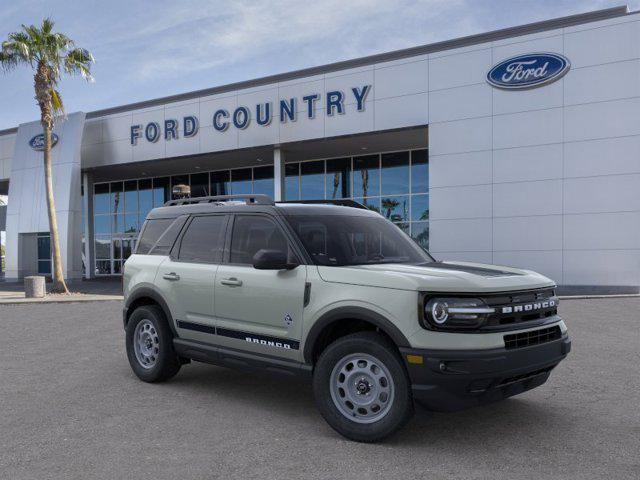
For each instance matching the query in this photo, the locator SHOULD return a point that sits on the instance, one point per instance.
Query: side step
(251, 362)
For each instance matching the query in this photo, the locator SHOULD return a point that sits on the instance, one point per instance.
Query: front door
(187, 277)
(259, 310)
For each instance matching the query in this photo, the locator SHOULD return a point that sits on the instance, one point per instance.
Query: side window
(153, 228)
(254, 233)
(204, 240)
(168, 238)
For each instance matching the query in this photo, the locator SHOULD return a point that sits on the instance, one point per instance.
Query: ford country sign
(528, 71)
(37, 142)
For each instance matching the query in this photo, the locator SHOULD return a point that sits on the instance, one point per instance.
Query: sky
(149, 49)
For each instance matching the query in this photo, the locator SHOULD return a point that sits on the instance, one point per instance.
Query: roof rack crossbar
(340, 202)
(257, 199)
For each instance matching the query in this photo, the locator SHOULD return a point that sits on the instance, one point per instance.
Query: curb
(30, 301)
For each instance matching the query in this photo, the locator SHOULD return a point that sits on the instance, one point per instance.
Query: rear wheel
(150, 345)
(361, 387)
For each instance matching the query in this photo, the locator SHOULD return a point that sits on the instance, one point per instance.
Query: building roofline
(469, 40)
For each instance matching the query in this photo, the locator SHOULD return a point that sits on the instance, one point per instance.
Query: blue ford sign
(37, 142)
(528, 71)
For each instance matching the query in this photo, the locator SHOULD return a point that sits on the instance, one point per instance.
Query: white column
(87, 205)
(278, 175)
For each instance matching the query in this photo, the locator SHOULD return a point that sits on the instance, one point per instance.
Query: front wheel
(150, 345)
(361, 387)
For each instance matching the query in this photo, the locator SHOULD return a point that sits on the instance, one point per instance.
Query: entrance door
(187, 277)
(260, 307)
(44, 253)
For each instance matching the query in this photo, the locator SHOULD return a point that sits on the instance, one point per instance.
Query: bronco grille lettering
(529, 307)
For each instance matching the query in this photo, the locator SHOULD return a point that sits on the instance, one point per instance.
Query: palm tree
(49, 54)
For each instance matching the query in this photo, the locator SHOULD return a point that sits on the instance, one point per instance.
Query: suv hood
(437, 277)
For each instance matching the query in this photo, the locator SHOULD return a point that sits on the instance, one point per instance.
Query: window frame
(174, 254)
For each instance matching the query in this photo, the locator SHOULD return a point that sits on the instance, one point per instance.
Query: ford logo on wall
(528, 71)
(37, 142)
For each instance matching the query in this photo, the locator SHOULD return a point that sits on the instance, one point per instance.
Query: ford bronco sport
(339, 294)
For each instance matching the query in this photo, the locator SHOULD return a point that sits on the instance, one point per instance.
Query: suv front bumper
(449, 380)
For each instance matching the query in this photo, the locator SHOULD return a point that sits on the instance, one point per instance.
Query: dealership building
(515, 147)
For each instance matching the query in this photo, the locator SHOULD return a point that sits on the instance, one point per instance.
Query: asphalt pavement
(70, 408)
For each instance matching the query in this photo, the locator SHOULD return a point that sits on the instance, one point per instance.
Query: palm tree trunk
(59, 285)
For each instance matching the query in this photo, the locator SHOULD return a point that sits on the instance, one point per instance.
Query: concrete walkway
(81, 291)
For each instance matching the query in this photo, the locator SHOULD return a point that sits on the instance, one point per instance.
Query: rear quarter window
(159, 235)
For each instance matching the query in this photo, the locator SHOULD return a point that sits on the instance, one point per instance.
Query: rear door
(259, 310)
(187, 277)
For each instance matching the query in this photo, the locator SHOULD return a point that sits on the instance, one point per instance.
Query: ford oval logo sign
(37, 142)
(528, 71)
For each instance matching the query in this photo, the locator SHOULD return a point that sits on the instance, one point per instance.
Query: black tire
(166, 363)
(400, 408)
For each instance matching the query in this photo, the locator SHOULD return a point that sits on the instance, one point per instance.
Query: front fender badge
(288, 320)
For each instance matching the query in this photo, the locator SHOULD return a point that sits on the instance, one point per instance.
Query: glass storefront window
(263, 180)
(102, 247)
(117, 223)
(101, 198)
(103, 267)
(220, 183)
(178, 180)
(160, 191)
(199, 184)
(145, 198)
(102, 224)
(419, 207)
(131, 223)
(241, 181)
(338, 178)
(292, 181)
(395, 173)
(395, 209)
(312, 180)
(366, 176)
(116, 197)
(393, 184)
(127, 247)
(370, 203)
(420, 233)
(131, 196)
(419, 171)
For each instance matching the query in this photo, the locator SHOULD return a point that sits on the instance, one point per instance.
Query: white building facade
(517, 147)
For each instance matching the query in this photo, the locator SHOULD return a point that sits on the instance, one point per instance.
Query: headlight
(456, 312)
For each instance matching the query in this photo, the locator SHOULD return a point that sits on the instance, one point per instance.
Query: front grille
(518, 307)
(534, 337)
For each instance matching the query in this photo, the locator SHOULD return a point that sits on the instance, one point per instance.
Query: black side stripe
(197, 327)
(266, 340)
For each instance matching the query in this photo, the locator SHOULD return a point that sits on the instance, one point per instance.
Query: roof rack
(339, 202)
(257, 199)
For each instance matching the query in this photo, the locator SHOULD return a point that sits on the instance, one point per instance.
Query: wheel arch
(147, 296)
(330, 320)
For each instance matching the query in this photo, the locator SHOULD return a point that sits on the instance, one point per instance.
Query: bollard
(34, 287)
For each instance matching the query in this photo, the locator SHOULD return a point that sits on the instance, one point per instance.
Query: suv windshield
(339, 240)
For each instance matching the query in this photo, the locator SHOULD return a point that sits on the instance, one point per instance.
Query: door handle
(231, 282)
(171, 276)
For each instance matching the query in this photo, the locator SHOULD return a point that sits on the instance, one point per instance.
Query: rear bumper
(449, 380)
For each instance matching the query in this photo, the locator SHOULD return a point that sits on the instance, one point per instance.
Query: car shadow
(282, 396)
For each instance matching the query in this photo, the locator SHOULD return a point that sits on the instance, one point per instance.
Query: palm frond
(78, 62)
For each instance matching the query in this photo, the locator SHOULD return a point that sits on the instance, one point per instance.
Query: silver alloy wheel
(146, 344)
(362, 388)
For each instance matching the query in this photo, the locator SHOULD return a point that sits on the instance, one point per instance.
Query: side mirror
(272, 260)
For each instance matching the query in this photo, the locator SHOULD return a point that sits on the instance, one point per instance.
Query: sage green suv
(336, 293)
